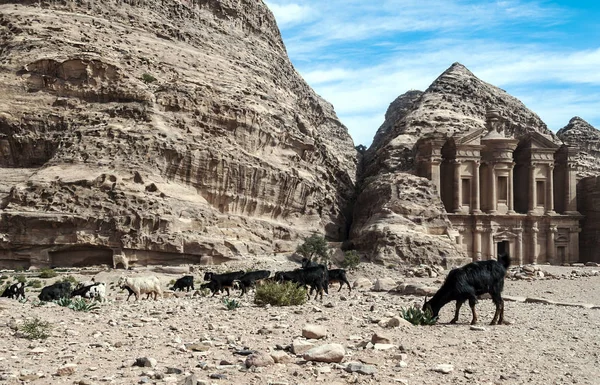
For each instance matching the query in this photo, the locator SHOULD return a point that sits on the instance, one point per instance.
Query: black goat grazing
(468, 282)
(247, 280)
(222, 281)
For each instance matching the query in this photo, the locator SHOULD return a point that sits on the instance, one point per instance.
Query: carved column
(519, 245)
(534, 241)
(477, 243)
(571, 189)
(493, 186)
(511, 191)
(435, 174)
(457, 187)
(491, 245)
(476, 189)
(550, 191)
(532, 192)
(551, 249)
(573, 253)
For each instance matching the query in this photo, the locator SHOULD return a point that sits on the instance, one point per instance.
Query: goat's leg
(349, 288)
(459, 303)
(472, 302)
(341, 285)
(499, 314)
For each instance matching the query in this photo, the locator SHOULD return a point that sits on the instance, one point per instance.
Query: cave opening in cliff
(81, 256)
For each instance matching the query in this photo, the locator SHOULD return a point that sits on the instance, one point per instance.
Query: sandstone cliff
(164, 130)
(581, 134)
(408, 221)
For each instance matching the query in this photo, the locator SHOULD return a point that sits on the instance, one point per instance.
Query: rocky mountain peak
(581, 134)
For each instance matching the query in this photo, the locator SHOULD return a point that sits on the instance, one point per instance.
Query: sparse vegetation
(285, 294)
(34, 283)
(231, 304)
(35, 329)
(70, 279)
(78, 304)
(351, 260)
(416, 316)
(47, 273)
(147, 78)
(315, 247)
(21, 278)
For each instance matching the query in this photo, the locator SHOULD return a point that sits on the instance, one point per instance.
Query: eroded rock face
(399, 218)
(167, 130)
(583, 135)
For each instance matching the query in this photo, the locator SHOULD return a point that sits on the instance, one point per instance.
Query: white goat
(141, 285)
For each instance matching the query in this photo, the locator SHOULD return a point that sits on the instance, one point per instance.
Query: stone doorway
(502, 247)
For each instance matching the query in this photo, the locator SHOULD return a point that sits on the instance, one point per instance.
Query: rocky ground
(196, 340)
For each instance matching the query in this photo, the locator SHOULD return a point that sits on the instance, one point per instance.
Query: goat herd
(312, 275)
(461, 285)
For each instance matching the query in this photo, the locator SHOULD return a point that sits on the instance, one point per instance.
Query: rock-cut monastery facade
(506, 193)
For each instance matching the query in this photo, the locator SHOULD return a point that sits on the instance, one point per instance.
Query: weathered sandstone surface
(583, 135)
(163, 131)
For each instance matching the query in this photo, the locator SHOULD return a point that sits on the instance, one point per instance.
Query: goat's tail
(504, 259)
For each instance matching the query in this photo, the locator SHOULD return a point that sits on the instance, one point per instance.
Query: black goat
(15, 291)
(333, 276)
(222, 281)
(55, 292)
(247, 280)
(185, 282)
(338, 275)
(314, 276)
(468, 282)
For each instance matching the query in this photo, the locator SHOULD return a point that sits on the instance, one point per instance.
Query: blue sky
(360, 55)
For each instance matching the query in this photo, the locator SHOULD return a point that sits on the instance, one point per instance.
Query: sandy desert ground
(197, 340)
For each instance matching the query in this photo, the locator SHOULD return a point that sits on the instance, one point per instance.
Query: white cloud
(290, 14)
(361, 55)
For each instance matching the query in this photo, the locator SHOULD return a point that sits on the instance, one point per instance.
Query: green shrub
(416, 316)
(35, 329)
(351, 260)
(21, 278)
(147, 78)
(4, 277)
(47, 273)
(35, 283)
(78, 304)
(285, 294)
(69, 278)
(315, 247)
(231, 304)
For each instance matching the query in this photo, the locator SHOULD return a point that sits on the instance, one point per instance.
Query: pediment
(471, 138)
(505, 235)
(537, 140)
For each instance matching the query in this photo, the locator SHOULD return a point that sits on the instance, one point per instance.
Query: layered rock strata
(160, 131)
(581, 134)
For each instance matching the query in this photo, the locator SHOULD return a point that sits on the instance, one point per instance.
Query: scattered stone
(378, 338)
(145, 362)
(362, 283)
(38, 350)
(189, 380)
(66, 370)
(174, 370)
(444, 368)
(198, 347)
(259, 359)
(301, 346)
(384, 284)
(383, 346)
(326, 353)
(218, 376)
(314, 332)
(477, 328)
(358, 367)
(280, 357)
(398, 321)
